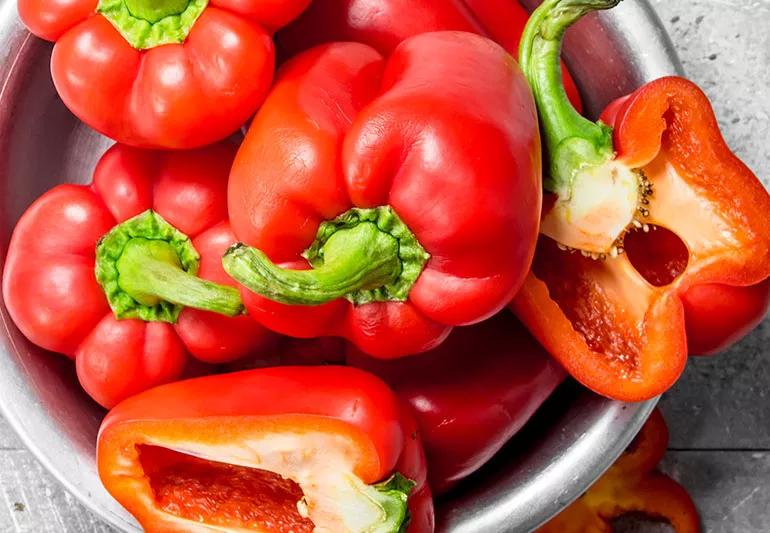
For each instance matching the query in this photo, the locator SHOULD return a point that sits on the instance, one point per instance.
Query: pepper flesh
(618, 326)
(300, 448)
(632, 485)
(52, 294)
(356, 131)
(384, 24)
(466, 413)
(195, 89)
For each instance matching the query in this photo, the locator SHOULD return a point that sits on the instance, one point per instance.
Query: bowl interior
(568, 444)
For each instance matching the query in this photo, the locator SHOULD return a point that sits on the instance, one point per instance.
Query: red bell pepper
(398, 191)
(300, 449)
(657, 162)
(161, 73)
(467, 412)
(130, 308)
(632, 485)
(717, 316)
(384, 24)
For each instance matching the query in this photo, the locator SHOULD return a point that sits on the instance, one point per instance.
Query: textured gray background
(719, 413)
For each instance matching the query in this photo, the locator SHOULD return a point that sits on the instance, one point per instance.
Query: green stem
(156, 10)
(150, 23)
(148, 270)
(573, 142)
(365, 255)
(357, 259)
(393, 496)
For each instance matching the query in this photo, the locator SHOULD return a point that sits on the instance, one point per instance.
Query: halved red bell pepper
(396, 208)
(632, 485)
(655, 165)
(124, 275)
(290, 449)
(161, 73)
(468, 411)
(384, 24)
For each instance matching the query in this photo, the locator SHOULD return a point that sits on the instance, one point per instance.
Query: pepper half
(386, 201)
(290, 449)
(124, 275)
(632, 485)
(618, 324)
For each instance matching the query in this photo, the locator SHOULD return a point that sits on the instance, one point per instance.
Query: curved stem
(572, 140)
(150, 272)
(353, 259)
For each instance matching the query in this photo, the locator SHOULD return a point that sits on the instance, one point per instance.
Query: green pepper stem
(598, 198)
(155, 10)
(353, 259)
(150, 23)
(572, 140)
(149, 271)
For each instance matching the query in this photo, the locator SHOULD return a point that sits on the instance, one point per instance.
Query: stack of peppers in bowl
(385, 212)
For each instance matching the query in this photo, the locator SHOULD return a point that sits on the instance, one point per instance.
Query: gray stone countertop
(719, 413)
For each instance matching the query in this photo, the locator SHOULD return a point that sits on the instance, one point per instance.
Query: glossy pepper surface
(401, 197)
(301, 449)
(161, 73)
(618, 320)
(468, 411)
(632, 486)
(384, 24)
(124, 275)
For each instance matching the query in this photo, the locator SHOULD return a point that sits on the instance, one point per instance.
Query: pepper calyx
(393, 496)
(411, 255)
(149, 23)
(148, 270)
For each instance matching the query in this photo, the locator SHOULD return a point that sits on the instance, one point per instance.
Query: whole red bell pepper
(301, 449)
(384, 24)
(632, 486)
(653, 178)
(399, 192)
(161, 73)
(467, 412)
(124, 275)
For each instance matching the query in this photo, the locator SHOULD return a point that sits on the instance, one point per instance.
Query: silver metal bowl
(569, 444)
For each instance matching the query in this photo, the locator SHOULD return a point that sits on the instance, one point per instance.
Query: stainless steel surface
(41, 144)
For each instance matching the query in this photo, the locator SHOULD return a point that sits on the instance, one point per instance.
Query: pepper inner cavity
(223, 494)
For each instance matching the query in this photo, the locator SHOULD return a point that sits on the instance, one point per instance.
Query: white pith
(335, 499)
(596, 209)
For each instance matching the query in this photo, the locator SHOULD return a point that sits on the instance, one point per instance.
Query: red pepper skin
(457, 205)
(52, 294)
(632, 485)
(171, 96)
(227, 410)
(718, 316)
(613, 330)
(468, 412)
(384, 24)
